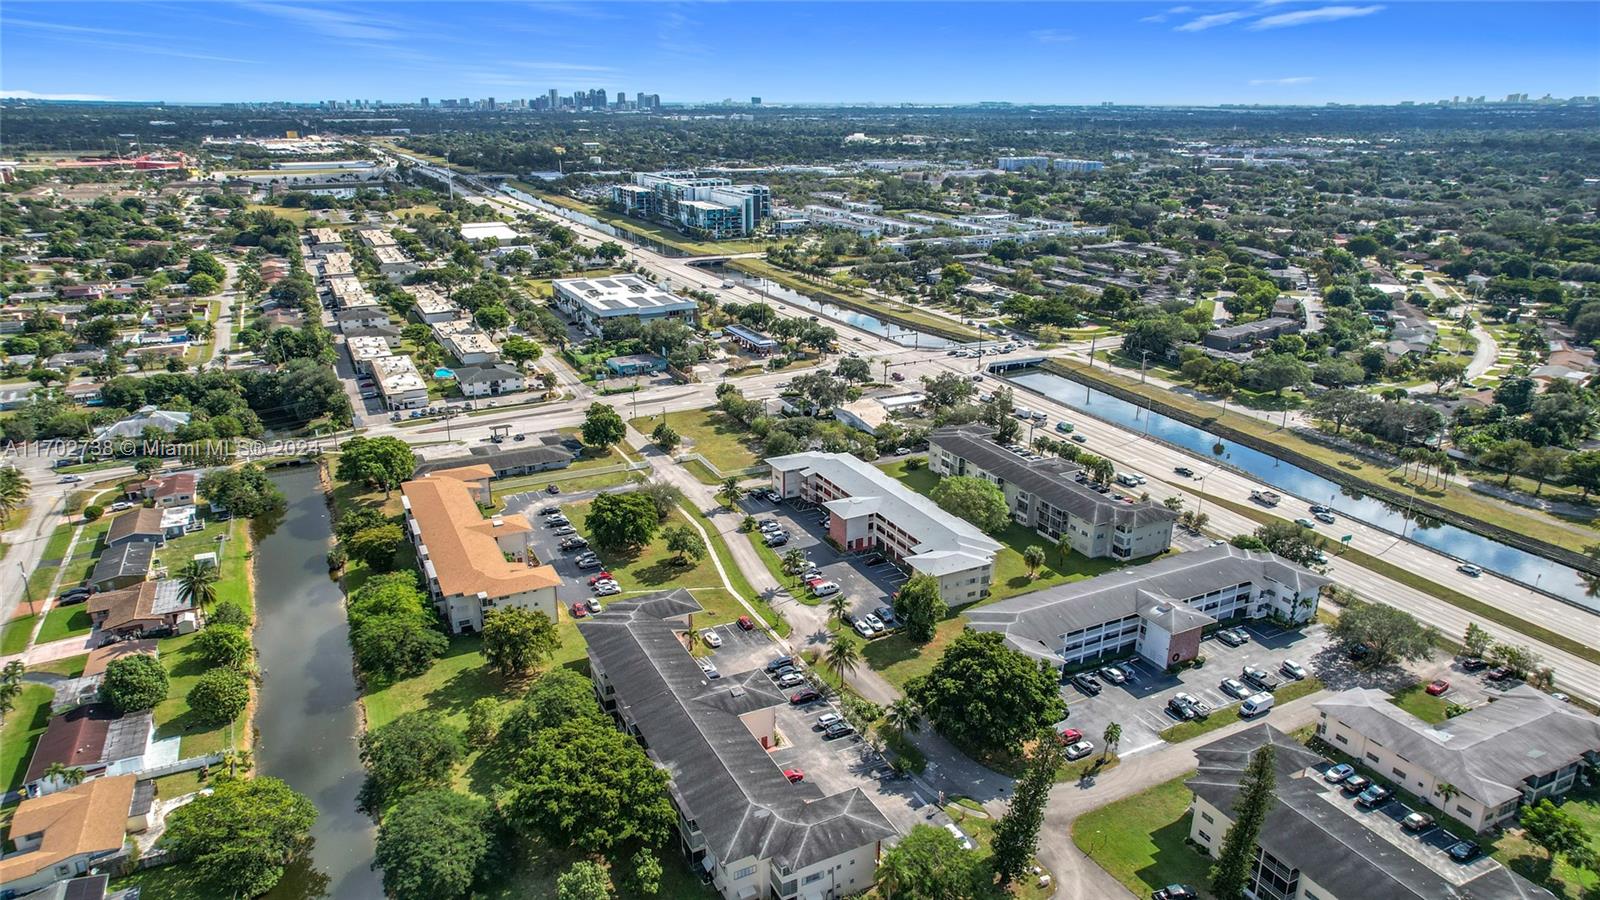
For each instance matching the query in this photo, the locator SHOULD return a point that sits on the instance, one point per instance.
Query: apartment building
(337, 264)
(1521, 747)
(489, 381)
(467, 342)
(740, 821)
(326, 240)
(364, 350)
(1158, 610)
(592, 301)
(1051, 496)
(471, 564)
(1317, 844)
(431, 306)
(376, 237)
(872, 512)
(399, 382)
(394, 263)
(715, 206)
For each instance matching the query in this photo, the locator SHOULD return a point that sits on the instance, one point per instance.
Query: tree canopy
(987, 697)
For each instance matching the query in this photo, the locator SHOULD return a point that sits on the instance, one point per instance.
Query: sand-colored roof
(462, 544)
(100, 657)
(147, 601)
(145, 520)
(89, 818)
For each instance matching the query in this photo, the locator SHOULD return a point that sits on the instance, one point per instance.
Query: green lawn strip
(1454, 497)
(14, 634)
(1227, 715)
(71, 667)
(890, 310)
(538, 865)
(1531, 862)
(737, 578)
(89, 539)
(977, 825)
(1142, 840)
(56, 547)
(566, 483)
(21, 731)
(64, 622)
(1451, 596)
(723, 442)
(1417, 701)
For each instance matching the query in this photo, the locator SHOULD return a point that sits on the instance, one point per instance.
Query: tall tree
(1389, 634)
(516, 641)
(622, 520)
(197, 584)
(986, 696)
(1016, 835)
(974, 499)
(382, 462)
(919, 607)
(927, 864)
(1232, 871)
(242, 835)
(418, 750)
(843, 655)
(602, 426)
(554, 787)
(431, 844)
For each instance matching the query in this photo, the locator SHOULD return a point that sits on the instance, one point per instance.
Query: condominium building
(1316, 844)
(376, 237)
(394, 263)
(871, 512)
(348, 293)
(1519, 748)
(326, 240)
(740, 821)
(466, 342)
(471, 564)
(1024, 163)
(399, 382)
(337, 264)
(592, 301)
(431, 306)
(715, 206)
(364, 350)
(1158, 610)
(1052, 496)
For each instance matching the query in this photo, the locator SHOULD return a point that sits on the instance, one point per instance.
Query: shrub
(92, 512)
(134, 683)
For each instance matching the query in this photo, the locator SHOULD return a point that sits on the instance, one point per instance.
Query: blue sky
(1256, 51)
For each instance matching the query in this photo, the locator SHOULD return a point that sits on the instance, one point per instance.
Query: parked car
(1464, 851)
(1474, 664)
(1339, 773)
(886, 616)
(1259, 677)
(1230, 637)
(809, 695)
(861, 627)
(552, 489)
(1498, 673)
(564, 530)
(1070, 736)
(579, 610)
(746, 624)
(574, 543)
(1255, 705)
(711, 638)
(1233, 687)
(825, 589)
(793, 679)
(875, 622)
(1417, 822)
(777, 540)
(1113, 675)
(1355, 784)
(795, 776)
(1200, 706)
(779, 663)
(783, 671)
(601, 576)
(838, 730)
(589, 562)
(1079, 750)
(121, 505)
(1181, 710)
(827, 719)
(1293, 669)
(1085, 682)
(1175, 892)
(608, 589)
(1437, 686)
(1374, 796)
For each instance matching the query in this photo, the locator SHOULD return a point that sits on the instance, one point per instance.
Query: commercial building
(872, 512)
(715, 207)
(1157, 610)
(471, 564)
(1024, 163)
(540, 453)
(1523, 746)
(1052, 497)
(591, 301)
(740, 821)
(1317, 844)
(399, 382)
(1232, 337)
(65, 834)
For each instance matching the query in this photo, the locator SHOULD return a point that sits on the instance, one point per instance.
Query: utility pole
(1144, 355)
(1092, 340)
(27, 593)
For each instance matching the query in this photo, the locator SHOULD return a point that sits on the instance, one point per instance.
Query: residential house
(122, 566)
(177, 489)
(94, 738)
(489, 381)
(65, 834)
(1249, 334)
(134, 426)
(143, 607)
(142, 524)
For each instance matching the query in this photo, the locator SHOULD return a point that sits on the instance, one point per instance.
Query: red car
(794, 775)
(806, 696)
(1438, 686)
(1070, 735)
(746, 624)
(579, 610)
(603, 576)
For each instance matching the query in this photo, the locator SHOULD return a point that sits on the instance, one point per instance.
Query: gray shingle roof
(1051, 479)
(127, 559)
(1034, 622)
(1486, 752)
(722, 779)
(1320, 836)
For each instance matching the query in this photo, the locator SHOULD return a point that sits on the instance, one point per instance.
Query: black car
(1464, 851)
(1474, 664)
(1175, 892)
(549, 510)
(1185, 471)
(1181, 710)
(838, 730)
(1355, 784)
(779, 663)
(1374, 796)
(1086, 683)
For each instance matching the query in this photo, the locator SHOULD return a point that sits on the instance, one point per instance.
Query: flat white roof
(397, 375)
(480, 231)
(620, 295)
(390, 255)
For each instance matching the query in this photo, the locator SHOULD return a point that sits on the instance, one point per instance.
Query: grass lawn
(15, 633)
(723, 442)
(741, 585)
(56, 547)
(1229, 714)
(21, 731)
(1416, 700)
(1561, 877)
(654, 568)
(538, 865)
(64, 622)
(1141, 840)
(979, 826)
(71, 667)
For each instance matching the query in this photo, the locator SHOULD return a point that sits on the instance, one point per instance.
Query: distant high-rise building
(755, 101)
(424, 102)
(489, 103)
(466, 102)
(555, 99)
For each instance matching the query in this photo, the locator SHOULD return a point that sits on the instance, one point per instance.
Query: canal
(307, 714)
(1494, 556)
(905, 337)
(583, 218)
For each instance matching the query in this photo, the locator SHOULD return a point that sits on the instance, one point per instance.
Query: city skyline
(1267, 53)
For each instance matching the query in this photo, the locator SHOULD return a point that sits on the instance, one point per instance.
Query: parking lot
(868, 585)
(1140, 705)
(1429, 846)
(546, 544)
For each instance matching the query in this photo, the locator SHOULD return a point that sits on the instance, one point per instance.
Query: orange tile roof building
(66, 833)
(469, 563)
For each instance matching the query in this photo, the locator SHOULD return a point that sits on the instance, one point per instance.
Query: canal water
(583, 218)
(906, 337)
(1518, 565)
(307, 712)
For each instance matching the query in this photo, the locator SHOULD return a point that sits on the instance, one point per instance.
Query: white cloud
(548, 66)
(1052, 36)
(1213, 20)
(36, 95)
(331, 22)
(1293, 79)
(1313, 16)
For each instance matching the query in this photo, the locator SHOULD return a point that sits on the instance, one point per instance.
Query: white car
(708, 667)
(1080, 749)
(608, 589)
(1469, 569)
(862, 628)
(826, 719)
(712, 639)
(791, 680)
(875, 622)
(1293, 669)
(604, 583)
(121, 505)
(825, 589)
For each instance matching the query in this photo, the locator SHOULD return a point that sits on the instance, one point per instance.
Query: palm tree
(197, 584)
(12, 673)
(730, 492)
(904, 715)
(844, 654)
(13, 491)
(1446, 792)
(1033, 556)
(1112, 736)
(1064, 547)
(794, 561)
(68, 775)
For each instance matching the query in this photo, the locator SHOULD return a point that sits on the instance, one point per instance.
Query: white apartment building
(338, 264)
(431, 306)
(394, 263)
(326, 240)
(740, 821)
(466, 342)
(364, 350)
(348, 292)
(1523, 746)
(1047, 495)
(471, 564)
(591, 301)
(376, 237)
(399, 382)
(1158, 610)
(489, 381)
(872, 512)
